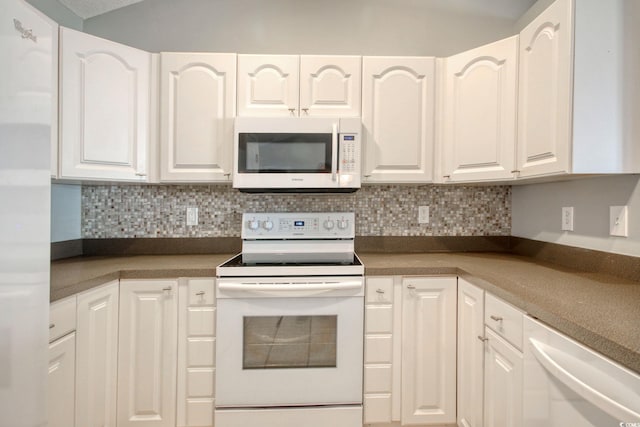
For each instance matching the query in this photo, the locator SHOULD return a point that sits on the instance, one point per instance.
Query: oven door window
(284, 153)
(281, 342)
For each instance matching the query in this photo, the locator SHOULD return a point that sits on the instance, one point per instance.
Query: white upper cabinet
(330, 85)
(544, 112)
(268, 85)
(577, 93)
(292, 85)
(104, 113)
(479, 116)
(198, 94)
(398, 100)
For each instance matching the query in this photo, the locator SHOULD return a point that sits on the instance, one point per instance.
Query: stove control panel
(326, 225)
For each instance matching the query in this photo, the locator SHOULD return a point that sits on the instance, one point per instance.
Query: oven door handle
(312, 288)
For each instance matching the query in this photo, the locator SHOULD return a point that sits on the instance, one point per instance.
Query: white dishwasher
(568, 384)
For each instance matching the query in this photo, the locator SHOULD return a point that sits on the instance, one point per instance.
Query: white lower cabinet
(470, 354)
(97, 356)
(61, 390)
(378, 350)
(429, 350)
(503, 383)
(147, 353)
(410, 351)
(62, 363)
(489, 360)
(196, 352)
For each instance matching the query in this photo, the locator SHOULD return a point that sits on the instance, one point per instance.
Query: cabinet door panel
(147, 353)
(503, 383)
(480, 112)
(330, 86)
(61, 382)
(544, 106)
(268, 85)
(398, 116)
(429, 351)
(97, 351)
(198, 107)
(470, 354)
(105, 104)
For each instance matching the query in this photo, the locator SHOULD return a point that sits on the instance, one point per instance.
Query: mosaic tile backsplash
(131, 211)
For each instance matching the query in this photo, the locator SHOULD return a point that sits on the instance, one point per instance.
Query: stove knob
(253, 224)
(329, 224)
(343, 224)
(267, 225)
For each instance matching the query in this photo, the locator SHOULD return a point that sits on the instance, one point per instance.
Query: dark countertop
(601, 311)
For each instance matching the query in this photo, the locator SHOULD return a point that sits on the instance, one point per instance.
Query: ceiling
(508, 9)
(89, 8)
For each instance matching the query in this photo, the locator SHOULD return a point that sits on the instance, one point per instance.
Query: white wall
(65, 212)
(536, 212)
(56, 11)
(360, 27)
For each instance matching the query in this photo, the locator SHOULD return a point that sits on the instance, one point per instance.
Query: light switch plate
(618, 219)
(192, 216)
(567, 219)
(423, 214)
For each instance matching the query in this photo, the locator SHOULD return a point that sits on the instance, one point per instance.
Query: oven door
(289, 342)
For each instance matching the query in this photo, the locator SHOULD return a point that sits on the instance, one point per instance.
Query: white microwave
(297, 154)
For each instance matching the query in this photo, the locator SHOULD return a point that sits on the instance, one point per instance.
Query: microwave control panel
(348, 153)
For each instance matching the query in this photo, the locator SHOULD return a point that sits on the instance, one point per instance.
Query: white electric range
(290, 321)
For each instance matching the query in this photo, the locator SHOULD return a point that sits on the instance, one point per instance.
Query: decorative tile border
(133, 211)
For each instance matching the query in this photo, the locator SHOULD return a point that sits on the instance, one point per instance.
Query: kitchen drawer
(377, 379)
(377, 408)
(62, 318)
(378, 319)
(379, 290)
(504, 319)
(201, 292)
(378, 349)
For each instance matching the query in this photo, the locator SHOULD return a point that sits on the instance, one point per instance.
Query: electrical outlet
(192, 216)
(618, 218)
(567, 219)
(423, 214)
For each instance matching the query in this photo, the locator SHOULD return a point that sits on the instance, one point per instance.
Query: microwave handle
(334, 151)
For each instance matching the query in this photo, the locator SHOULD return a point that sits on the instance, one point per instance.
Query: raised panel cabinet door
(545, 92)
(97, 356)
(104, 108)
(196, 353)
(330, 85)
(61, 379)
(198, 105)
(398, 97)
(480, 113)
(268, 85)
(429, 350)
(503, 383)
(147, 353)
(470, 354)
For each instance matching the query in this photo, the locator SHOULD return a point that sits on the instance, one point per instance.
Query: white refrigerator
(28, 93)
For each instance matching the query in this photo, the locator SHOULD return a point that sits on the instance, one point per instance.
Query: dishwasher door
(568, 384)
